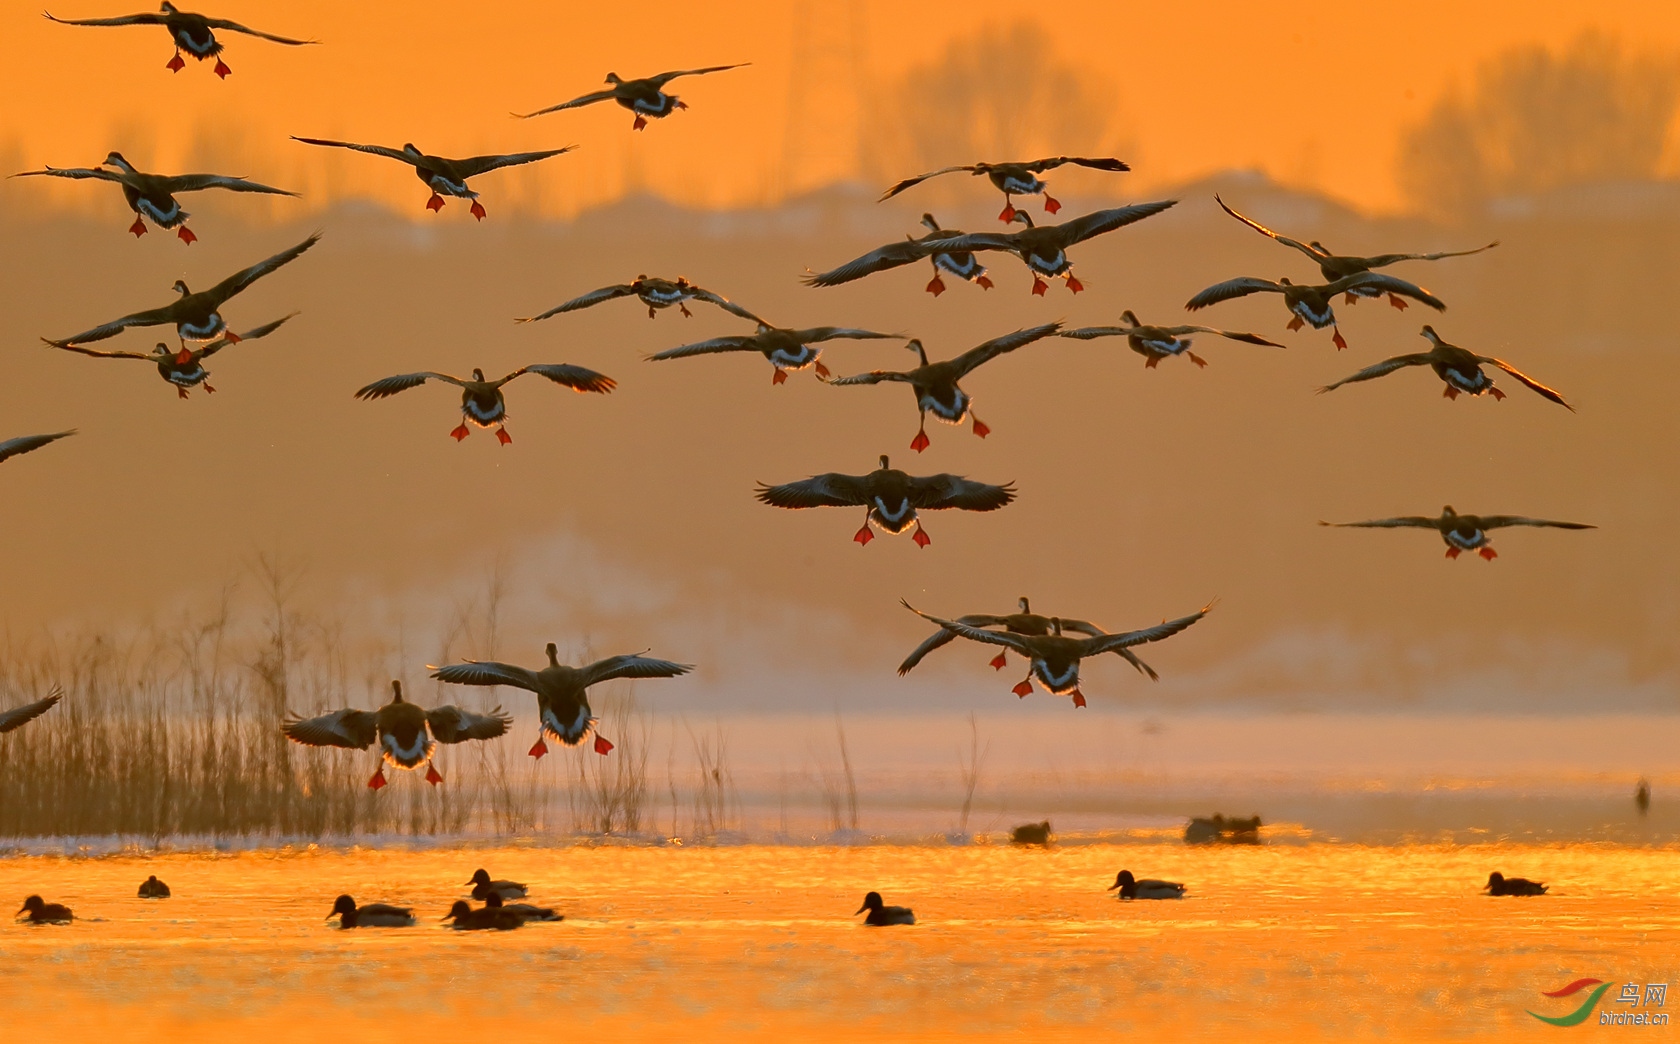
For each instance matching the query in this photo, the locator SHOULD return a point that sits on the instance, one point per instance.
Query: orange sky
(1203, 86)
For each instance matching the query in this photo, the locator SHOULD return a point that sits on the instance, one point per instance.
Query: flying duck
(935, 384)
(644, 97)
(526, 911)
(786, 349)
(27, 443)
(17, 717)
(192, 32)
(1024, 622)
(42, 912)
(1055, 657)
(1013, 179)
(1131, 888)
(960, 263)
(371, 915)
(181, 367)
(1155, 343)
(445, 177)
(407, 734)
(1311, 304)
(1335, 266)
(481, 400)
(1460, 370)
(153, 195)
(485, 918)
(655, 293)
(881, 915)
(562, 691)
(1460, 532)
(1499, 884)
(484, 888)
(1042, 248)
(891, 496)
(152, 888)
(196, 317)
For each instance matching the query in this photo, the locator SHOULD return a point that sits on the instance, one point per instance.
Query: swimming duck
(526, 911)
(644, 97)
(1155, 343)
(1499, 884)
(935, 384)
(407, 734)
(881, 915)
(1032, 834)
(196, 317)
(192, 32)
(486, 918)
(1460, 370)
(42, 912)
(1131, 888)
(562, 691)
(653, 292)
(152, 888)
(1014, 179)
(1461, 532)
(180, 367)
(1042, 248)
(1311, 304)
(370, 915)
(1024, 622)
(786, 349)
(1335, 266)
(29, 443)
(153, 195)
(481, 400)
(891, 496)
(1055, 657)
(445, 177)
(17, 717)
(484, 888)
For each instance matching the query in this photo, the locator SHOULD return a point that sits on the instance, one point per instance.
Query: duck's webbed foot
(980, 427)
(434, 204)
(503, 437)
(1051, 204)
(1397, 301)
(477, 210)
(461, 431)
(175, 64)
(1452, 552)
(1073, 283)
(186, 236)
(138, 228)
(921, 538)
(1078, 698)
(602, 747)
(378, 779)
(1337, 339)
(433, 776)
(1488, 553)
(639, 124)
(921, 441)
(1296, 323)
(999, 662)
(221, 69)
(538, 749)
(936, 285)
(1023, 688)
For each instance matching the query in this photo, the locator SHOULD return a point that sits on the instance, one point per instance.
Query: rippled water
(756, 942)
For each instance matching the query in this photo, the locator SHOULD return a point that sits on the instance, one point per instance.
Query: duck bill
(1112, 887)
(859, 910)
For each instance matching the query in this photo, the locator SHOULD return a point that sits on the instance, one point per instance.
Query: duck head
(35, 902)
(1316, 245)
(553, 652)
(343, 905)
(169, 8)
(927, 219)
(1024, 218)
(1128, 317)
(493, 901)
(1429, 332)
(1495, 879)
(115, 159)
(1448, 512)
(1026, 606)
(915, 344)
(884, 465)
(396, 691)
(180, 287)
(872, 901)
(460, 909)
(1056, 626)
(1285, 282)
(410, 151)
(478, 374)
(480, 877)
(613, 79)
(1121, 880)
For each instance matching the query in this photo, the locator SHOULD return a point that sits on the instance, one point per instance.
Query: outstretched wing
(150, 317)
(144, 18)
(1501, 521)
(827, 490)
(1108, 164)
(356, 729)
(26, 443)
(997, 346)
(389, 386)
(1246, 338)
(594, 297)
(1127, 639)
(473, 166)
(978, 634)
(1316, 255)
(238, 281)
(451, 724)
(938, 492)
(722, 302)
(830, 333)
(632, 667)
(1387, 284)
(486, 672)
(96, 353)
(938, 639)
(235, 27)
(198, 182)
(737, 343)
(872, 377)
(377, 150)
(255, 334)
(666, 77)
(1403, 522)
(1096, 223)
(1528, 381)
(1387, 366)
(17, 716)
(583, 99)
(893, 255)
(71, 172)
(574, 377)
(919, 178)
(1241, 286)
(1388, 259)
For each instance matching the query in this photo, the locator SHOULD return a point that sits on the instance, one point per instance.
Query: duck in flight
(655, 293)
(1461, 532)
(1336, 266)
(193, 33)
(482, 402)
(1310, 305)
(1014, 179)
(645, 97)
(785, 349)
(445, 177)
(17, 717)
(28, 444)
(961, 263)
(153, 195)
(1459, 370)
(935, 384)
(1155, 343)
(891, 497)
(407, 734)
(196, 316)
(562, 691)
(181, 367)
(1024, 622)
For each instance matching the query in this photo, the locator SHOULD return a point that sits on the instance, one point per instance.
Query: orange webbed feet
(175, 64)
(221, 69)
(209, 390)
(921, 538)
(180, 393)
(863, 536)
(936, 286)
(1039, 287)
(921, 441)
(186, 236)
(1073, 284)
(434, 204)
(1296, 323)
(230, 337)
(1023, 688)
(1397, 301)
(602, 747)
(183, 357)
(1198, 360)
(982, 282)
(1449, 392)
(1496, 393)
(999, 662)
(980, 427)
(639, 124)
(138, 228)
(1452, 552)
(1051, 204)
(1078, 698)
(1337, 339)
(538, 749)
(1152, 362)
(461, 431)
(1488, 553)
(432, 775)
(779, 377)
(1007, 214)
(503, 437)
(822, 371)
(378, 779)
(477, 210)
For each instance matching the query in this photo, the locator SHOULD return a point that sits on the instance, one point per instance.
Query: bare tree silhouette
(1535, 120)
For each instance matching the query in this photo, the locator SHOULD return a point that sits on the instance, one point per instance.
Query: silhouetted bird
(1642, 797)
(654, 292)
(152, 888)
(1499, 884)
(43, 912)
(890, 497)
(484, 887)
(194, 33)
(153, 195)
(1024, 622)
(1155, 343)
(468, 920)
(784, 348)
(1131, 888)
(20, 716)
(1460, 532)
(644, 97)
(881, 915)
(1014, 179)
(407, 733)
(1310, 305)
(371, 915)
(493, 901)
(1031, 834)
(1459, 369)
(481, 400)
(180, 367)
(445, 177)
